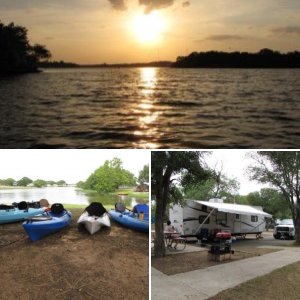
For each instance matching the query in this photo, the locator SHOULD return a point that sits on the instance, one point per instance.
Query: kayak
(51, 222)
(13, 214)
(94, 223)
(132, 220)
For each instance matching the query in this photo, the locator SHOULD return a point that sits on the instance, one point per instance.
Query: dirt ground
(185, 262)
(72, 264)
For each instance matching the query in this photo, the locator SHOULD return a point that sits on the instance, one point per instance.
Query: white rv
(198, 218)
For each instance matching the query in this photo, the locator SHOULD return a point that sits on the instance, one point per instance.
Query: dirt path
(112, 264)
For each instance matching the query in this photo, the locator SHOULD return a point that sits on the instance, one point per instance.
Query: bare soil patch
(72, 264)
(278, 285)
(185, 262)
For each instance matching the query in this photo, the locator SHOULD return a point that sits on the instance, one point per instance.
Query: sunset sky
(114, 31)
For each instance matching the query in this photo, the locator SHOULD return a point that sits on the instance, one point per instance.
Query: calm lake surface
(65, 195)
(151, 108)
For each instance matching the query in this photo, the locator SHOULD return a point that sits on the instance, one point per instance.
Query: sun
(148, 28)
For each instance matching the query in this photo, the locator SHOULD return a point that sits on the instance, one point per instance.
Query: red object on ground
(223, 235)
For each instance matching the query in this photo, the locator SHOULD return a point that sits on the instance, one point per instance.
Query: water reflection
(146, 111)
(65, 195)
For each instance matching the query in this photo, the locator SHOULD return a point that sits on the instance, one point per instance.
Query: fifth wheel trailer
(198, 218)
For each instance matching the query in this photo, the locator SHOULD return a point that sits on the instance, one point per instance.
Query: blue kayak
(12, 215)
(39, 227)
(130, 220)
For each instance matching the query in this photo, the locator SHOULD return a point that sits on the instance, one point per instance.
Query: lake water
(65, 195)
(151, 108)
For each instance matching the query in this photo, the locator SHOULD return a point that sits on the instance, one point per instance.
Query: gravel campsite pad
(72, 264)
(185, 262)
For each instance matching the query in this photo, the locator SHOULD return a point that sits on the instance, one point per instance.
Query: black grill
(285, 229)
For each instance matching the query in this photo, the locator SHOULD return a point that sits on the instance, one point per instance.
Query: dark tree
(265, 58)
(16, 53)
(282, 170)
(164, 165)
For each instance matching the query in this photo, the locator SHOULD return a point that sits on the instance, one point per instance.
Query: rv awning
(235, 208)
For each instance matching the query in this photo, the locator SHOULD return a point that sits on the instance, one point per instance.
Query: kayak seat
(144, 208)
(95, 209)
(120, 207)
(57, 208)
(22, 205)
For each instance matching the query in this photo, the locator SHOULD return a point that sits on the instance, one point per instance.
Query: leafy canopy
(109, 177)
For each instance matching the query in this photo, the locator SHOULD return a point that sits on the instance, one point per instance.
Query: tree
(16, 53)
(24, 181)
(80, 184)
(271, 201)
(281, 169)
(61, 182)
(164, 166)
(218, 186)
(39, 183)
(144, 175)
(109, 177)
(40, 52)
(7, 182)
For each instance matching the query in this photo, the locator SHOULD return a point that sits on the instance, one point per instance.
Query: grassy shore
(128, 192)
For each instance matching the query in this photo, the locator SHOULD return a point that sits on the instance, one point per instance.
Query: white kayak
(94, 223)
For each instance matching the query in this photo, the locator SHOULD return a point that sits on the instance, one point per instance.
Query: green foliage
(61, 182)
(50, 182)
(7, 182)
(215, 187)
(80, 184)
(166, 168)
(272, 202)
(144, 175)
(39, 183)
(281, 169)
(24, 181)
(109, 177)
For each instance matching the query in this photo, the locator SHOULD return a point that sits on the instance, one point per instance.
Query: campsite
(73, 264)
(215, 235)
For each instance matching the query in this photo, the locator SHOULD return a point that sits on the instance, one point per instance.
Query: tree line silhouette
(265, 58)
(16, 53)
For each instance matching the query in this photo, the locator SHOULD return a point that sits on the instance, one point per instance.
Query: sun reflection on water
(145, 110)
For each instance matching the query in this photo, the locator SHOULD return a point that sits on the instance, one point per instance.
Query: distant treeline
(57, 64)
(25, 181)
(62, 64)
(16, 54)
(265, 58)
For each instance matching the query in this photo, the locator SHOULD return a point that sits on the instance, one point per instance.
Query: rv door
(237, 223)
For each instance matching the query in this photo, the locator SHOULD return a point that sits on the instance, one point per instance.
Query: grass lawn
(281, 284)
(79, 207)
(131, 193)
(186, 262)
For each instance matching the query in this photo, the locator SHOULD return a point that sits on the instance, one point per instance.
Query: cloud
(186, 4)
(155, 4)
(286, 30)
(118, 4)
(223, 37)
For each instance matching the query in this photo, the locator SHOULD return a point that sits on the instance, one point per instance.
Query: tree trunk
(297, 224)
(159, 242)
(162, 194)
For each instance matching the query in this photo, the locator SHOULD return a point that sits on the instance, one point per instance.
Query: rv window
(204, 208)
(237, 216)
(202, 218)
(254, 218)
